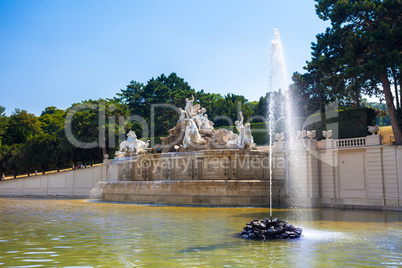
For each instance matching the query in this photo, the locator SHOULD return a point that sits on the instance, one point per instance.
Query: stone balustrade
(355, 142)
(370, 140)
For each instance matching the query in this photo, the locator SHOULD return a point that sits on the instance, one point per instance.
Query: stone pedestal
(279, 146)
(326, 144)
(309, 144)
(373, 140)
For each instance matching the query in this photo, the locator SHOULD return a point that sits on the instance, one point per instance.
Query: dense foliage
(86, 131)
(359, 54)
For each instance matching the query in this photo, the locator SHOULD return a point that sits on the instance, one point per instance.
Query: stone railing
(349, 143)
(359, 142)
(355, 142)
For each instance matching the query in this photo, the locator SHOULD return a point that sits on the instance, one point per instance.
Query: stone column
(390, 172)
(328, 163)
(374, 171)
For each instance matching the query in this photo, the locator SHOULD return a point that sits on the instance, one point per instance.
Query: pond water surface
(79, 233)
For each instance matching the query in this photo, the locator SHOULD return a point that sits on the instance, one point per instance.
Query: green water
(77, 233)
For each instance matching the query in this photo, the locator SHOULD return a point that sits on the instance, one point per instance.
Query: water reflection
(76, 233)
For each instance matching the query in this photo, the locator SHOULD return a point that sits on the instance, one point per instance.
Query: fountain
(199, 165)
(274, 228)
(195, 165)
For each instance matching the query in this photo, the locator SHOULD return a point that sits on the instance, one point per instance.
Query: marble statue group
(193, 131)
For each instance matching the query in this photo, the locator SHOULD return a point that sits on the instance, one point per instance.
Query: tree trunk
(391, 109)
(400, 89)
(396, 88)
(320, 101)
(398, 104)
(357, 96)
(357, 100)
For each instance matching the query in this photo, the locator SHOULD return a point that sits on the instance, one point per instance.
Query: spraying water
(278, 82)
(278, 74)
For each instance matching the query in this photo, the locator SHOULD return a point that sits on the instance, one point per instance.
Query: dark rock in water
(270, 229)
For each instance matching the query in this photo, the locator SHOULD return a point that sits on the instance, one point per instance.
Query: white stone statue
(132, 146)
(311, 134)
(279, 136)
(191, 134)
(206, 124)
(199, 118)
(187, 135)
(240, 129)
(248, 140)
(182, 115)
(189, 107)
(231, 140)
(373, 129)
(301, 134)
(199, 130)
(327, 133)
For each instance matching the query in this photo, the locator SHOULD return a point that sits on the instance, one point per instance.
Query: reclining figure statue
(131, 146)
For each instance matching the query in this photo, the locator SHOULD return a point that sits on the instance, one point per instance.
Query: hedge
(348, 123)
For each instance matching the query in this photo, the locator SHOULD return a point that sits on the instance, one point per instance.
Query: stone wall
(74, 183)
(363, 176)
(210, 177)
(195, 192)
(199, 165)
(354, 177)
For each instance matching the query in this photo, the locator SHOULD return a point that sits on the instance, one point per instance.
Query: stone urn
(301, 134)
(279, 136)
(373, 129)
(311, 134)
(327, 133)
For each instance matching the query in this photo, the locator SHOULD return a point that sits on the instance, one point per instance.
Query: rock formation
(270, 229)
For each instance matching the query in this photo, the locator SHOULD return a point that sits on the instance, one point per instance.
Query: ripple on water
(28, 266)
(78, 267)
(37, 260)
(323, 236)
(41, 252)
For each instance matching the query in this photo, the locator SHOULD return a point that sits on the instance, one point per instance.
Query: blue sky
(59, 52)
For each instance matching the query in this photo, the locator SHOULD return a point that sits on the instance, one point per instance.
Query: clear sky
(59, 52)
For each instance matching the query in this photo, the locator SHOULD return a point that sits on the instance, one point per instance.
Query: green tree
(40, 149)
(364, 46)
(95, 125)
(3, 122)
(163, 90)
(20, 126)
(12, 159)
(173, 90)
(52, 120)
(306, 96)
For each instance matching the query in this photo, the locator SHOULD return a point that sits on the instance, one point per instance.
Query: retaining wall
(74, 183)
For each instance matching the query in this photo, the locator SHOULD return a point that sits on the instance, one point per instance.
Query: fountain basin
(195, 192)
(194, 165)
